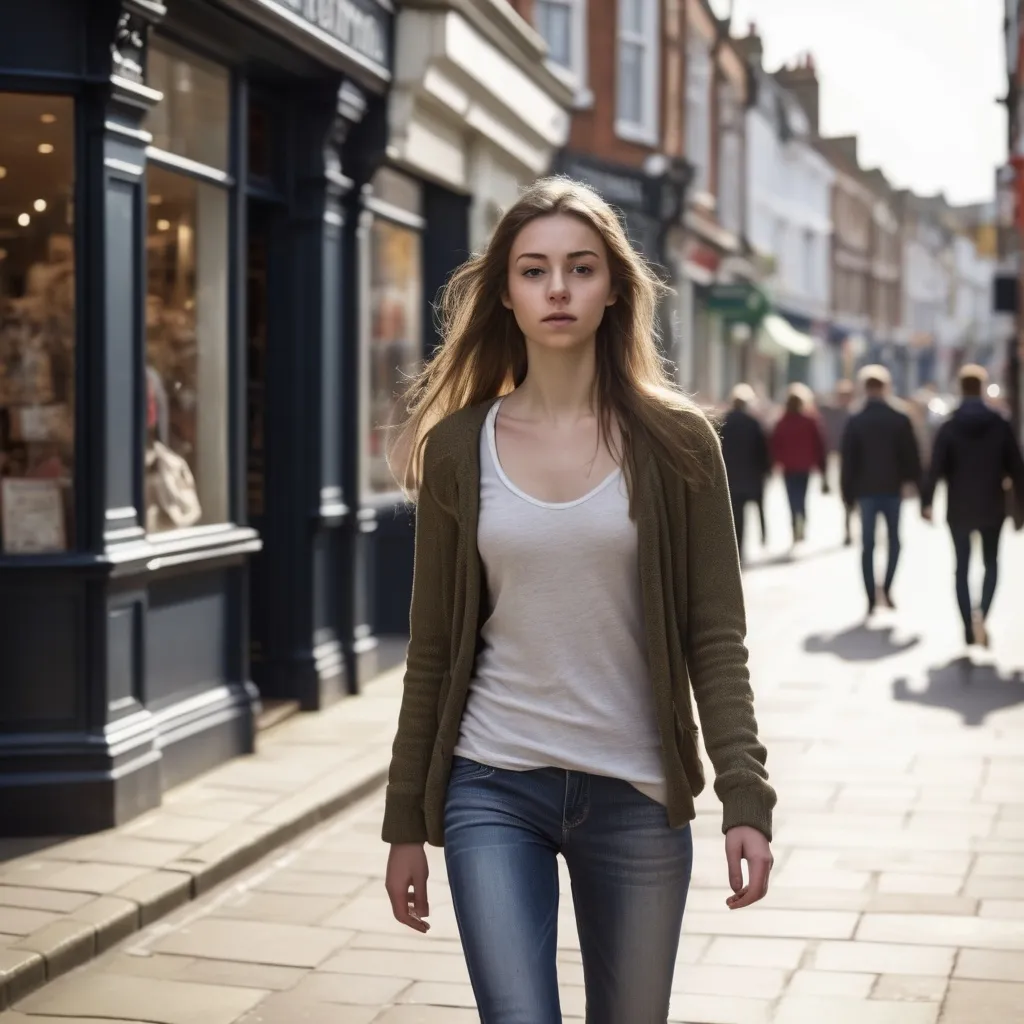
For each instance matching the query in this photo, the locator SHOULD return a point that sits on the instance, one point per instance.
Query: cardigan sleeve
(716, 652)
(428, 654)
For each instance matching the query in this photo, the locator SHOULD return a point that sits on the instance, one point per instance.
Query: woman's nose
(559, 285)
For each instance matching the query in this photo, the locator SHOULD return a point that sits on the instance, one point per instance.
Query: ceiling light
(3, 254)
(45, 148)
(48, 118)
(24, 220)
(155, 200)
(40, 205)
(3, 172)
(163, 225)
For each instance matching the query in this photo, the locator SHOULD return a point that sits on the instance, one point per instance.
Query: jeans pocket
(465, 770)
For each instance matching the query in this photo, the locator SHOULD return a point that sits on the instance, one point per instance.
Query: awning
(779, 337)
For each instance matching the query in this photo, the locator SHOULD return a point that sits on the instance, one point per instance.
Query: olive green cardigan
(695, 624)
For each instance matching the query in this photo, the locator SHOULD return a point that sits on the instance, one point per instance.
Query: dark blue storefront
(182, 221)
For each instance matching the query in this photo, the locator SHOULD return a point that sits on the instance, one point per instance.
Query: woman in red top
(798, 447)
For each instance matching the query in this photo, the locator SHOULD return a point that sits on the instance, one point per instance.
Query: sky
(917, 80)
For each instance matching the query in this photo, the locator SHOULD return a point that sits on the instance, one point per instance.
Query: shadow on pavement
(973, 691)
(792, 557)
(860, 643)
(13, 849)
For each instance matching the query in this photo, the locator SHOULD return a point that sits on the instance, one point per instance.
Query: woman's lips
(559, 318)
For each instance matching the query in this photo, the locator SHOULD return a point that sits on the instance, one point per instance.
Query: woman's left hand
(744, 843)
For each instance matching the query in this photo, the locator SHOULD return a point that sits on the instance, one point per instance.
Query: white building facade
(789, 219)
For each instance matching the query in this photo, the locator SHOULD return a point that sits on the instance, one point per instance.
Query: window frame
(227, 181)
(578, 36)
(699, 80)
(645, 132)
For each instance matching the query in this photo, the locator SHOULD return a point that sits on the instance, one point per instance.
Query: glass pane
(37, 324)
(193, 117)
(630, 99)
(632, 15)
(554, 22)
(396, 340)
(186, 352)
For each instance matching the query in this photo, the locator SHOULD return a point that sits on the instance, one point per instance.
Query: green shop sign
(743, 302)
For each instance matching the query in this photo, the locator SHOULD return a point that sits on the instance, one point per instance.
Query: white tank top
(562, 679)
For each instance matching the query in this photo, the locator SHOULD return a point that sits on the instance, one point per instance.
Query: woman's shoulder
(457, 435)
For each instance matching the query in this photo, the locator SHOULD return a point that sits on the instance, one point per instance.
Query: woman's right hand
(406, 884)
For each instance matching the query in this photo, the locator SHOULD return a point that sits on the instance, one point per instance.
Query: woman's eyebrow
(570, 256)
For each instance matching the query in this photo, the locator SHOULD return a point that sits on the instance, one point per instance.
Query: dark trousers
(739, 510)
(796, 491)
(990, 556)
(887, 505)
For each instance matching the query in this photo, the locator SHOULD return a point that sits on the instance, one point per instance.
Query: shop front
(475, 114)
(179, 275)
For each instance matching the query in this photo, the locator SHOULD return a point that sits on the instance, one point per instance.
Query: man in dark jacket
(745, 450)
(975, 451)
(880, 457)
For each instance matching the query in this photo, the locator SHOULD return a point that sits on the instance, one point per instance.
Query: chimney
(750, 46)
(802, 81)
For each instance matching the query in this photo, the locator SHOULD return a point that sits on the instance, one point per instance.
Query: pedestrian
(798, 447)
(880, 458)
(747, 462)
(975, 453)
(835, 417)
(575, 564)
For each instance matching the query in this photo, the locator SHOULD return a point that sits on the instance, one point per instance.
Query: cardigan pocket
(688, 745)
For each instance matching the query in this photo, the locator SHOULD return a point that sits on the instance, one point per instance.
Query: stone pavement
(898, 892)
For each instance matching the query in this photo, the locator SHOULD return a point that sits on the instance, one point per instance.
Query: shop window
(186, 352)
(638, 71)
(187, 468)
(37, 324)
(396, 339)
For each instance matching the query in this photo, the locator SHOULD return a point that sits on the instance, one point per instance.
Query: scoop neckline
(492, 443)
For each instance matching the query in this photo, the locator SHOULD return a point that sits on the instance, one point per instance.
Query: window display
(187, 266)
(396, 340)
(37, 324)
(186, 352)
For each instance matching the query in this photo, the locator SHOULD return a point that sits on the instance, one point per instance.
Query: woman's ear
(505, 300)
(612, 298)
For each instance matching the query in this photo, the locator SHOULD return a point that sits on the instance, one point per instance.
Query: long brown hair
(483, 352)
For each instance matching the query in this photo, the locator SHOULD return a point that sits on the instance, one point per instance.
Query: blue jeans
(796, 492)
(630, 874)
(990, 556)
(888, 506)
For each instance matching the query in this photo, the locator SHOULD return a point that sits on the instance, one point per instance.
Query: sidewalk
(62, 902)
(897, 897)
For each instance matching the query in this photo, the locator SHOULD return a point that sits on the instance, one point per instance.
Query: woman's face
(559, 281)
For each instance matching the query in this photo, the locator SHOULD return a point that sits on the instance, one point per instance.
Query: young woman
(798, 447)
(576, 570)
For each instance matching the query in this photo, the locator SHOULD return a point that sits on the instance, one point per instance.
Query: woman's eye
(532, 272)
(583, 269)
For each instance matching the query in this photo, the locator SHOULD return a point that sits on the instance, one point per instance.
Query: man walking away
(745, 450)
(836, 417)
(880, 457)
(975, 451)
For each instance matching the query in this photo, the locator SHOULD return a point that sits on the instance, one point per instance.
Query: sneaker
(979, 630)
(800, 530)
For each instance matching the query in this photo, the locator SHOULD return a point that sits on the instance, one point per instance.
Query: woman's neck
(559, 385)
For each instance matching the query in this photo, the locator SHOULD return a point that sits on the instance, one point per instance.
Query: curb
(104, 921)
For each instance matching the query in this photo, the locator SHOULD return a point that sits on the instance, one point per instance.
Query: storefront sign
(740, 301)
(357, 26)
